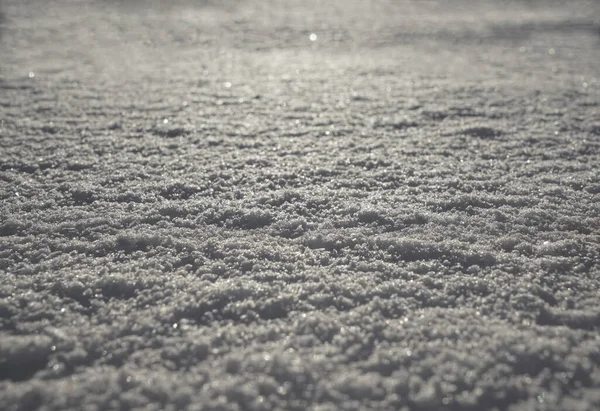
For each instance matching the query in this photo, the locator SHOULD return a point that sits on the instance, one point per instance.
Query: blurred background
(138, 38)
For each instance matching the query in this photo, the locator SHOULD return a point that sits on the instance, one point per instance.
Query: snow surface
(255, 205)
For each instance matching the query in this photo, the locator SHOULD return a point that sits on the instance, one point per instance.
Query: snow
(299, 205)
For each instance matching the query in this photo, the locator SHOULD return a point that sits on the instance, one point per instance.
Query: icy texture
(203, 208)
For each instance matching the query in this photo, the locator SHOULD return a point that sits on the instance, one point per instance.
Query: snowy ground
(248, 205)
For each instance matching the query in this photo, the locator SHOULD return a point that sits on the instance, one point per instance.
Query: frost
(203, 209)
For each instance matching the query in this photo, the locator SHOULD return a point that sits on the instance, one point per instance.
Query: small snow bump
(482, 132)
